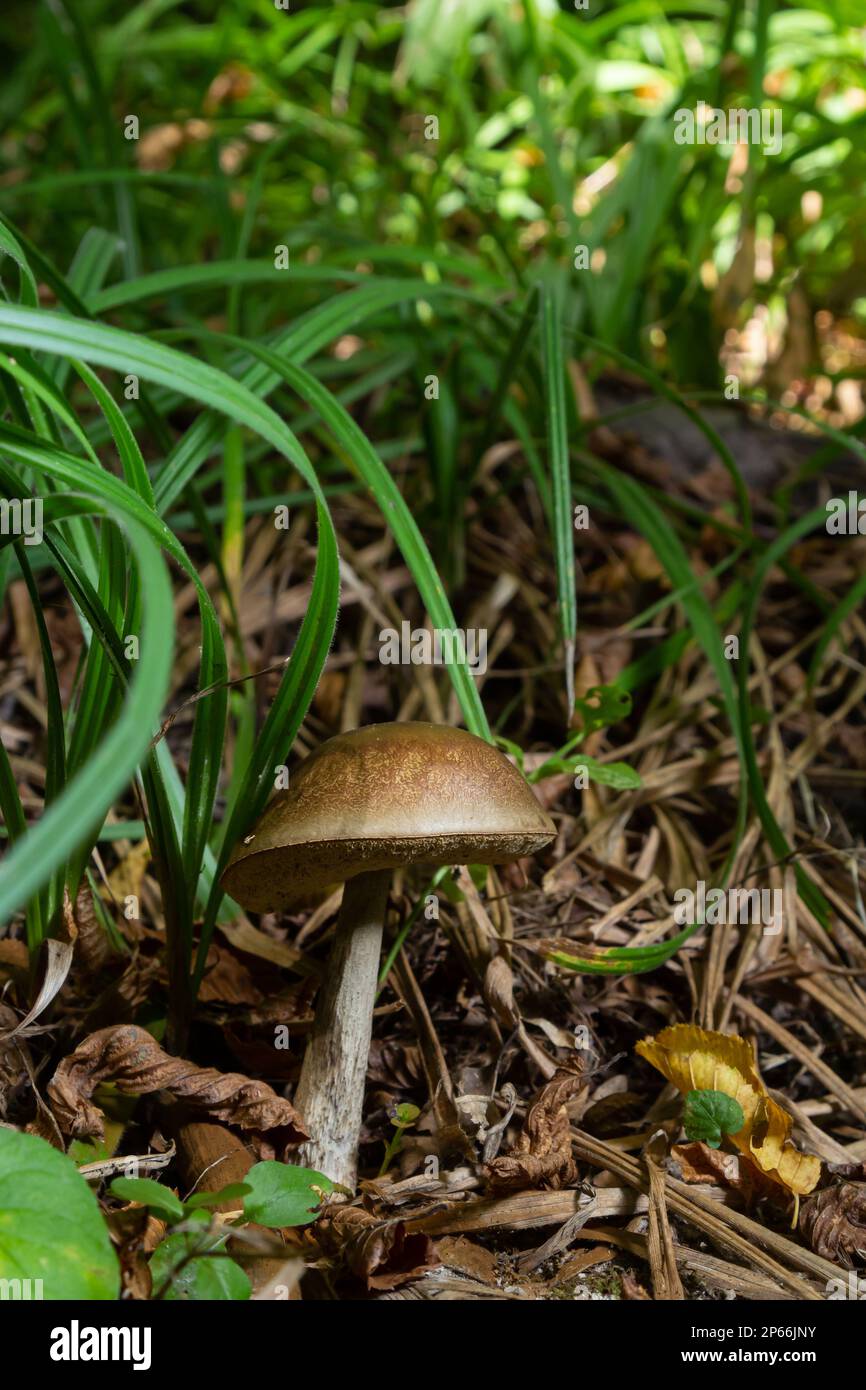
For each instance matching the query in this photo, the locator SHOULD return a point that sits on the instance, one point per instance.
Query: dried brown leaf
(134, 1062)
(833, 1222)
(228, 979)
(499, 992)
(135, 1234)
(542, 1155)
(584, 1259)
(381, 1253)
(93, 949)
(55, 963)
(701, 1164)
(469, 1258)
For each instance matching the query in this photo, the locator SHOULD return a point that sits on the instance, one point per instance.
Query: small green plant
(708, 1115)
(599, 707)
(191, 1262)
(403, 1118)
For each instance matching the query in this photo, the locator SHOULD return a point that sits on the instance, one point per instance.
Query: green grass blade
(560, 471)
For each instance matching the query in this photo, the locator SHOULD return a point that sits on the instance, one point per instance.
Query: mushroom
(363, 804)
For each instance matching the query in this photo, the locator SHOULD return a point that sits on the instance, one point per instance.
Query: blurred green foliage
(554, 130)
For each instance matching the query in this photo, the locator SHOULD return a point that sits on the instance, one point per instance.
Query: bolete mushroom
(360, 806)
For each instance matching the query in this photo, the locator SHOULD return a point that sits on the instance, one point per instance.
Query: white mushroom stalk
(330, 1094)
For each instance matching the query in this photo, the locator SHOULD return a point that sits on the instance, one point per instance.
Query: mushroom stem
(330, 1094)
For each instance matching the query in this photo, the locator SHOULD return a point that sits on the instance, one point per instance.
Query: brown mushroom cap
(380, 797)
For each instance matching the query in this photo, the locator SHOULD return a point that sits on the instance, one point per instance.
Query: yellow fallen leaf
(126, 879)
(694, 1059)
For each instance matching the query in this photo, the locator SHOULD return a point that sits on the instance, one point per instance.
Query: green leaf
(624, 960)
(216, 1199)
(602, 705)
(450, 890)
(208, 1276)
(514, 749)
(150, 1194)
(11, 247)
(405, 1115)
(282, 1195)
(708, 1115)
(617, 775)
(51, 1227)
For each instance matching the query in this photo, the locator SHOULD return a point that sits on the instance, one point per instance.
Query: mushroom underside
(297, 875)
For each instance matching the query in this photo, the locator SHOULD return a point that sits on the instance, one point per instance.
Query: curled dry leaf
(499, 992)
(381, 1253)
(542, 1155)
(694, 1059)
(134, 1062)
(699, 1163)
(833, 1222)
(84, 931)
(55, 962)
(135, 1234)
